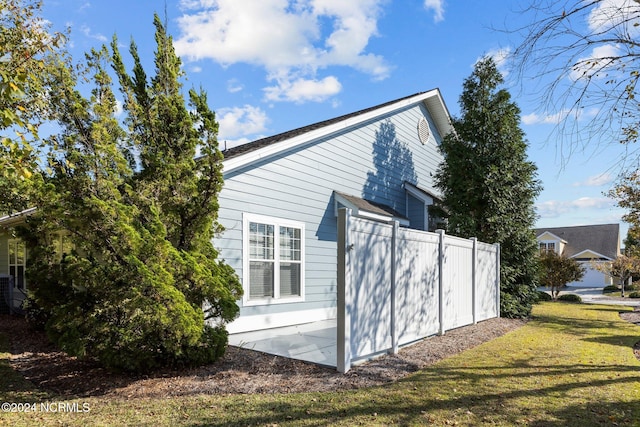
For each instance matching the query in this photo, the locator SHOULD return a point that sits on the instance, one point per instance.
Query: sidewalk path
(595, 296)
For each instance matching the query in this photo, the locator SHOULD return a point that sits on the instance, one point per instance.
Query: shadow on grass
(419, 400)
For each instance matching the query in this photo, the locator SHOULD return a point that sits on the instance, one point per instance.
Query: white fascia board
(440, 113)
(418, 193)
(550, 233)
(381, 218)
(308, 137)
(16, 218)
(593, 252)
(356, 211)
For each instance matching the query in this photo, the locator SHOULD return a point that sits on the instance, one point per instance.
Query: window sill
(270, 301)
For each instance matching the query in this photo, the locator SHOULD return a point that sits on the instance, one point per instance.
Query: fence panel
(397, 285)
(417, 285)
(371, 294)
(488, 293)
(457, 282)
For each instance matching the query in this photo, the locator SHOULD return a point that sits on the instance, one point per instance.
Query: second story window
(547, 247)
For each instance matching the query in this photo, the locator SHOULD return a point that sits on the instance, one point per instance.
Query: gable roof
(261, 149)
(603, 239)
(369, 208)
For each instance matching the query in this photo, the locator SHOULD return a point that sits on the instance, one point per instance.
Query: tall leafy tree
(28, 53)
(623, 268)
(489, 186)
(143, 276)
(556, 271)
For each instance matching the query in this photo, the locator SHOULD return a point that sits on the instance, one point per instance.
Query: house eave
(16, 218)
(431, 99)
(600, 256)
(556, 237)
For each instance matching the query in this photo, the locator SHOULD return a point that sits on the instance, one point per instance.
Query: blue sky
(273, 65)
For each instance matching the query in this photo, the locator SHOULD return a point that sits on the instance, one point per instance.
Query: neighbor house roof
(603, 239)
(15, 218)
(270, 146)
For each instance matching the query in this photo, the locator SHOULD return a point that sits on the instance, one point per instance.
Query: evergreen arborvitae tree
(489, 186)
(142, 275)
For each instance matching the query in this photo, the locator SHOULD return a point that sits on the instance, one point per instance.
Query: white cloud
(602, 59)
(554, 208)
(97, 36)
(500, 57)
(595, 180)
(607, 15)
(286, 37)
(534, 118)
(302, 90)
(240, 121)
(119, 108)
(438, 9)
(555, 118)
(233, 86)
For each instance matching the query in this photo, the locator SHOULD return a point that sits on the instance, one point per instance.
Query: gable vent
(424, 132)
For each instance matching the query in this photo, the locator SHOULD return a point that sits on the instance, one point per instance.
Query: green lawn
(572, 365)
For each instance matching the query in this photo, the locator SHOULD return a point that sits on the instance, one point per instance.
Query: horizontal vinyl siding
(298, 185)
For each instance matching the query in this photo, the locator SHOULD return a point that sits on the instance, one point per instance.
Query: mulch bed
(239, 371)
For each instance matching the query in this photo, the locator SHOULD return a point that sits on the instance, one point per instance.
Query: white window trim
(16, 242)
(556, 245)
(277, 222)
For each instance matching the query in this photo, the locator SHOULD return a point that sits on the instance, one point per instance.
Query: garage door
(592, 278)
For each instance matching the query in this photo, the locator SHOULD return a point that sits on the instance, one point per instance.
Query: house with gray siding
(281, 196)
(279, 204)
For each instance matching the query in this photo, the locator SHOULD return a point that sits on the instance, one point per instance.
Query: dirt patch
(239, 371)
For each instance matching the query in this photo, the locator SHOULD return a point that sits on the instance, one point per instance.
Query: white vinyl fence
(398, 285)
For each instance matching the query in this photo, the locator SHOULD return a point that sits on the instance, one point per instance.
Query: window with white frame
(17, 262)
(273, 260)
(547, 247)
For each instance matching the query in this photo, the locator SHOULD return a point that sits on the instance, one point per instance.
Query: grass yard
(572, 365)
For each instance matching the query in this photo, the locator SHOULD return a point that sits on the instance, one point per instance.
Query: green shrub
(570, 298)
(610, 288)
(544, 296)
(634, 294)
(632, 287)
(36, 317)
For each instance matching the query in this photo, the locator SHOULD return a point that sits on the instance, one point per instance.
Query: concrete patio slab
(312, 342)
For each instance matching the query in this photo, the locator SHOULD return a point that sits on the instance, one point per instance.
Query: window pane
(289, 279)
(20, 253)
(290, 244)
(19, 279)
(12, 252)
(261, 241)
(260, 280)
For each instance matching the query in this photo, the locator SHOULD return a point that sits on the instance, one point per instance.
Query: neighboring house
(13, 263)
(281, 196)
(587, 244)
